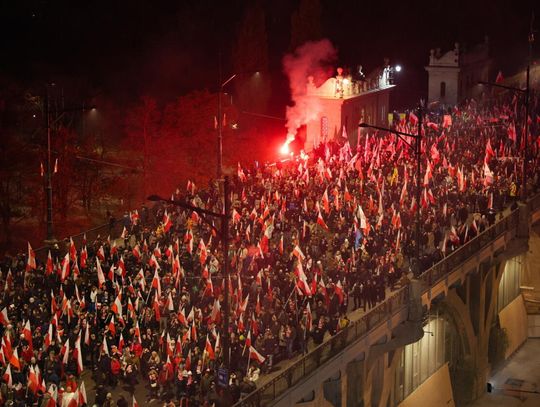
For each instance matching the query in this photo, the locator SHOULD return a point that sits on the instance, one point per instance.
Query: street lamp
(224, 237)
(51, 240)
(220, 128)
(417, 148)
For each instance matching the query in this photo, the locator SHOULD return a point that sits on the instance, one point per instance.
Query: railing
(292, 375)
(465, 252)
(267, 393)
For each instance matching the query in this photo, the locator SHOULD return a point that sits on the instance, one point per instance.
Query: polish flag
(254, 355)
(489, 151)
(203, 253)
(182, 318)
(14, 359)
(86, 334)
(27, 332)
(83, 400)
(488, 175)
(84, 257)
(235, 216)
(137, 252)
(112, 326)
(31, 261)
(326, 201)
(134, 402)
(155, 306)
(339, 291)
(78, 352)
(49, 337)
(302, 282)
(104, 346)
(8, 378)
(72, 249)
(33, 382)
(65, 352)
(122, 266)
(156, 282)
(4, 319)
(116, 307)
(215, 315)
(167, 222)
(403, 194)
(321, 221)
(100, 275)
(298, 253)
(121, 342)
(209, 349)
(447, 121)
(413, 119)
(101, 253)
(309, 318)
(188, 239)
(137, 331)
(49, 268)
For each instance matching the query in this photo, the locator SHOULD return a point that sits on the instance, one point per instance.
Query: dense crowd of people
(312, 239)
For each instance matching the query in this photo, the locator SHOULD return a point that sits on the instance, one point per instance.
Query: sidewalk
(523, 365)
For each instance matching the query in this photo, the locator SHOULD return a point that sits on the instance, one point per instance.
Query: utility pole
(50, 241)
(225, 271)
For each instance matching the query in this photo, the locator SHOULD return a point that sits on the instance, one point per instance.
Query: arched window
(443, 89)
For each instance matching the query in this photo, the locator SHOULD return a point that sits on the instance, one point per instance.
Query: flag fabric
(321, 221)
(4, 319)
(82, 394)
(100, 275)
(254, 355)
(31, 261)
(298, 253)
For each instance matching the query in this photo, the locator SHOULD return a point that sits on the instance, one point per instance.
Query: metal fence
(267, 393)
(292, 375)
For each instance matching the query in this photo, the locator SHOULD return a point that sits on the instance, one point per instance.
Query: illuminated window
(324, 127)
(443, 89)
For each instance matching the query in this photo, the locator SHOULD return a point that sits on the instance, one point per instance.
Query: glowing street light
(398, 68)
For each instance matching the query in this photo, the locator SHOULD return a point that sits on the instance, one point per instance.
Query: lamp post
(50, 239)
(220, 128)
(224, 237)
(417, 149)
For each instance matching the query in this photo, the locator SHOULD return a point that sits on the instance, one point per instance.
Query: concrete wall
(434, 392)
(513, 318)
(534, 325)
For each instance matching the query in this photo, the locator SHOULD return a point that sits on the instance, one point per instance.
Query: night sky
(166, 48)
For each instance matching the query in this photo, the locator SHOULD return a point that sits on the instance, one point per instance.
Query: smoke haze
(310, 59)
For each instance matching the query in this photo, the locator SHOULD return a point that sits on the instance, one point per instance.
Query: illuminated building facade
(343, 102)
(454, 75)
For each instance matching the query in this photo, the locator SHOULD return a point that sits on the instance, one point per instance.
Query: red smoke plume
(310, 59)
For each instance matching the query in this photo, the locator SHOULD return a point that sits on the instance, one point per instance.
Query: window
(443, 89)
(324, 127)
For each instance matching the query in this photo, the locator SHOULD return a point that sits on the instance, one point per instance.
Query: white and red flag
(31, 261)
(254, 355)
